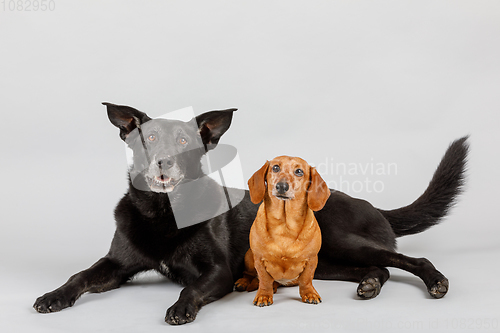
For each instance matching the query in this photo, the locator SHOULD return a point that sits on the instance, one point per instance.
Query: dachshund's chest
(286, 258)
(284, 270)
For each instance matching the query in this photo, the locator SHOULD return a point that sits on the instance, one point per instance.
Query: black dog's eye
(152, 137)
(276, 168)
(299, 172)
(182, 141)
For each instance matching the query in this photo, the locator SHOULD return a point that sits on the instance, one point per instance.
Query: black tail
(441, 194)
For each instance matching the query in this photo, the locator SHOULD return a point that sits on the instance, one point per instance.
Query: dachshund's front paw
(311, 298)
(263, 300)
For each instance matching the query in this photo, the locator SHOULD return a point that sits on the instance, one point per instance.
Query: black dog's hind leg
(210, 286)
(104, 275)
(370, 278)
(437, 284)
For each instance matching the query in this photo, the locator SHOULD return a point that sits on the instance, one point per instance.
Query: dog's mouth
(162, 183)
(283, 197)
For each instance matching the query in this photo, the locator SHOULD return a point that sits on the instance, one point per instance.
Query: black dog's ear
(213, 124)
(125, 118)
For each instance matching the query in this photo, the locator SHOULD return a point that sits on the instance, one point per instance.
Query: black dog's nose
(165, 163)
(282, 187)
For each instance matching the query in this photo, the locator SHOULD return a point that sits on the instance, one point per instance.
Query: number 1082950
(28, 5)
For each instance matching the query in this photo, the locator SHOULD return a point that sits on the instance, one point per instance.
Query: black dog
(358, 239)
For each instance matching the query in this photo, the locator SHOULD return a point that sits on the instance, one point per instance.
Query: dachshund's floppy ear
(257, 184)
(318, 191)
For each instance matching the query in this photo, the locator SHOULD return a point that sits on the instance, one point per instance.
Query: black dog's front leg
(106, 274)
(209, 287)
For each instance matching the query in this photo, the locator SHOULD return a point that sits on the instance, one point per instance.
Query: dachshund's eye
(299, 172)
(152, 137)
(182, 141)
(276, 168)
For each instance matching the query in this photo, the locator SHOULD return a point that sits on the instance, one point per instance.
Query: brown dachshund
(285, 237)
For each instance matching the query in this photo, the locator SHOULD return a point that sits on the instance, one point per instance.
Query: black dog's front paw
(53, 302)
(181, 313)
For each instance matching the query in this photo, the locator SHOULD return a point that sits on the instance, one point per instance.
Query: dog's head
(289, 178)
(167, 152)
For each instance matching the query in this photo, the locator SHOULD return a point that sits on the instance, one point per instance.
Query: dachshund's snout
(282, 187)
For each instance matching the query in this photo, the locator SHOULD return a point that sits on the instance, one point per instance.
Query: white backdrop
(350, 85)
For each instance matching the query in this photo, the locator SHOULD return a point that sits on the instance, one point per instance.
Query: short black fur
(358, 239)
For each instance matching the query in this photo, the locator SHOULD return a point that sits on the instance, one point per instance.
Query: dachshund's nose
(282, 187)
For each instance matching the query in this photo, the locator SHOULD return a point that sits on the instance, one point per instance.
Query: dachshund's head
(289, 178)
